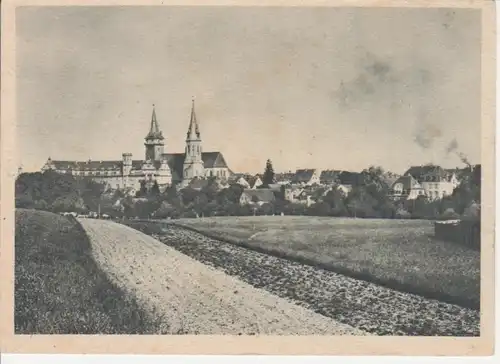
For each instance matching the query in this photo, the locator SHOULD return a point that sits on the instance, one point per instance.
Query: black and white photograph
(248, 171)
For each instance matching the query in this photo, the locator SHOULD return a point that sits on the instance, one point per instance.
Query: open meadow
(399, 254)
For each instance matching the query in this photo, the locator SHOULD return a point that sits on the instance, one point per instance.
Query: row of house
(308, 185)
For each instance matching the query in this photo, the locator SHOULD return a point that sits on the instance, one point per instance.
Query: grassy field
(59, 289)
(399, 254)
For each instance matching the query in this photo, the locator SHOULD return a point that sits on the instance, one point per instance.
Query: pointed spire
(154, 130)
(194, 130)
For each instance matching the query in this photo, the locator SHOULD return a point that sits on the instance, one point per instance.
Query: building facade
(157, 166)
(435, 181)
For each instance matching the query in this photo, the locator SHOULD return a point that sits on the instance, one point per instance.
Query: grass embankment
(59, 289)
(399, 254)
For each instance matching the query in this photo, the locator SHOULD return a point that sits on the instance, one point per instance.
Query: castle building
(164, 168)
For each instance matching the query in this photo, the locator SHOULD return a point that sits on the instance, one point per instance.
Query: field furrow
(358, 303)
(192, 298)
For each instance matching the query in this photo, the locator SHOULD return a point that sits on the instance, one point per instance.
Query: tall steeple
(154, 130)
(193, 130)
(193, 159)
(154, 140)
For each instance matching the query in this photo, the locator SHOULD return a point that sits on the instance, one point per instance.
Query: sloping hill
(58, 287)
(191, 297)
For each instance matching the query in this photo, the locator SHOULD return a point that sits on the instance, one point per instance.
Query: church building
(164, 168)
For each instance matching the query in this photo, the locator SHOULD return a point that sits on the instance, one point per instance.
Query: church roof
(210, 160)
(154, 130)
(193, 130)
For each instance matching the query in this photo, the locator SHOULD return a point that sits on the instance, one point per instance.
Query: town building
(406, 187)
(306, 177)
(163, 168)
(435, 181)
(257, 197)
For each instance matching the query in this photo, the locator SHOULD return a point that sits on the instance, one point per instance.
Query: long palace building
(164, 168)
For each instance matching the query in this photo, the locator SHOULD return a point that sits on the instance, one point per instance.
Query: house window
(398, 188)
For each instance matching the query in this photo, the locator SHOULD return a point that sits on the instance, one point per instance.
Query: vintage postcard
(248, 177)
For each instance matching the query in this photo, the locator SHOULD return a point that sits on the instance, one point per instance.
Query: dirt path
(360, 304)
(193, 298)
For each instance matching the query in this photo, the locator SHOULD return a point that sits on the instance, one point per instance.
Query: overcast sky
(339, 88)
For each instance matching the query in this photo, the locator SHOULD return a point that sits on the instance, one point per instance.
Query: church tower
(193, 162)
(154, 140)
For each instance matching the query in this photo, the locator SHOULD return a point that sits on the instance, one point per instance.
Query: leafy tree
(200, 203)
(360, 203)
(41, 205)
(167, 210)
(295, 209)
(336, 200)
(210, 209)
(145, 209)
(319, 209)
(155, 190)
(90, 191)
(265, 209)
(231, 194)
(143, 190)
(211, 188)
(172, 196)
(189, 195)
(67, 203)
(268, 177)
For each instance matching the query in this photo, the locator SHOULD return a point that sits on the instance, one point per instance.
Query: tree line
(369, 198)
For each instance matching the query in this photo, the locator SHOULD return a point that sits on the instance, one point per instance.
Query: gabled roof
(252, 180)
(349, 178)
(276, 187)
(303, 175)
(213, 160)
(281, 177)
(428, 173)
(137, 164)
(390, 178)
(263, 194)
(176, 162)
(329, 176)
(409, 183)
